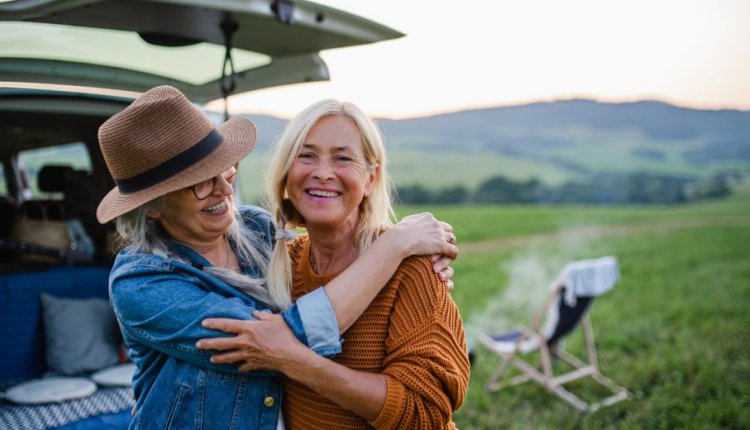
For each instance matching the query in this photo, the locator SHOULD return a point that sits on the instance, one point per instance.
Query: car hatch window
(74, 155)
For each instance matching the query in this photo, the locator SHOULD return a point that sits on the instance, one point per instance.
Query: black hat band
(172, 166)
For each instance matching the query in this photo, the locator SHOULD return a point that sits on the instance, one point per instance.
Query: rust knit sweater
(411, 332)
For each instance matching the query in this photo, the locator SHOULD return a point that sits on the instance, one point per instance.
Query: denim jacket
(160, 303)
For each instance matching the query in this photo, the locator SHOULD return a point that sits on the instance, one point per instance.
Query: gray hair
(137, 229)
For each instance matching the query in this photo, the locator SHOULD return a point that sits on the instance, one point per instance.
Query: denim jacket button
(269, 401)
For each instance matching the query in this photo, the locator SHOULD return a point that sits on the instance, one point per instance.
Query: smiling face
(199, 222)
(330, 176)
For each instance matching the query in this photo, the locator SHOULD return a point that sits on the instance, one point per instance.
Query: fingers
(228, 357)
(219, 343)
(446, 274)
(225, 324)
(451, 251)
(446, 251)
(449, 285)
(441, 263)
(248, 367)
(451, 239)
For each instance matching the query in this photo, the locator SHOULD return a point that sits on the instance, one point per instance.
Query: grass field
(675, 331)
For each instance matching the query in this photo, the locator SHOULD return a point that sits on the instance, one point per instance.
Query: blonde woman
(404, 362)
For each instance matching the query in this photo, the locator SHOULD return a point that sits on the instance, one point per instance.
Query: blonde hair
(375, 210)
(140, 231)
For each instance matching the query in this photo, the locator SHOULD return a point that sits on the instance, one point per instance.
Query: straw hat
(162, 143)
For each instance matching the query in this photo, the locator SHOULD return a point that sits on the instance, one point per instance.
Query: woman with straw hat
(404, 363)
(193, 255)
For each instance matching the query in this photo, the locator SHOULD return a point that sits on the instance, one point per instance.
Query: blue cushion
(82, 334)
(21, 332)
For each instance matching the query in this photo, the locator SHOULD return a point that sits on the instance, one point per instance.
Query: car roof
(103, 43)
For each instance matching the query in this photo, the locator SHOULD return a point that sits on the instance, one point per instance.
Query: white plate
(115, 376)
(48, 390)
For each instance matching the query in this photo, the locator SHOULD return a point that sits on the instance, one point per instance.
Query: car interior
(65, 67)
(53, 174)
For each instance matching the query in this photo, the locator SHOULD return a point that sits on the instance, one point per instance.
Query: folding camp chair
(572, 293)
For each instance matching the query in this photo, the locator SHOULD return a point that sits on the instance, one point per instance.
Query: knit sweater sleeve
(426, 367)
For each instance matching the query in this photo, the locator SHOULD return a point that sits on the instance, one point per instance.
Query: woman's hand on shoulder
(422, 234)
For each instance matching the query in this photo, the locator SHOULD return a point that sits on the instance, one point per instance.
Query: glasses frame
(213, 183)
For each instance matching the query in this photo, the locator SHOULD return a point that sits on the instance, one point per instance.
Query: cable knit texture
(412, 333)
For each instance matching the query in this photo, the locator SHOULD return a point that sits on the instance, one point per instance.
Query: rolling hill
(554, 142)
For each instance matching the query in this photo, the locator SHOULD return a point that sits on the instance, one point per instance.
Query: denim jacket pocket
(177, 405)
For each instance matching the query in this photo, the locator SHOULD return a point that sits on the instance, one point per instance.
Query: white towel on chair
(587, 278)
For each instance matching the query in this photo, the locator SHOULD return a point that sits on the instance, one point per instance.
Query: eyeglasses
(202, 190)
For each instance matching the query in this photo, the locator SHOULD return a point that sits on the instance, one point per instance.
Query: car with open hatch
(65, 67)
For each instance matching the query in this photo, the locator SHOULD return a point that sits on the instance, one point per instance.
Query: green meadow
(675, 331)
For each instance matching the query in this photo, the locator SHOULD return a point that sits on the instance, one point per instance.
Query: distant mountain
(536, 123)
(560, 140)
(656, 119)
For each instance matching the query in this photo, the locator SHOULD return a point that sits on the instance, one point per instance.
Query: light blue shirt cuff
(319, 320)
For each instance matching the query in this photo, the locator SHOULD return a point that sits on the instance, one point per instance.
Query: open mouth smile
(323, 193)
(218, 208)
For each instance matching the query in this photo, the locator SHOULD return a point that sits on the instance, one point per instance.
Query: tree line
(609, 188)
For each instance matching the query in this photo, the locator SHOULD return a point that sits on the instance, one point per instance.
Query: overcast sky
(462, 54)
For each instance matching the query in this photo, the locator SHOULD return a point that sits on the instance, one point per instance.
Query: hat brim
(238, 140)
